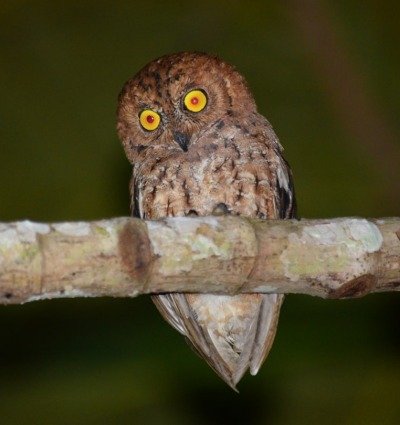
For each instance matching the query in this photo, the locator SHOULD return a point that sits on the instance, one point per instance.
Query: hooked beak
(182, 140)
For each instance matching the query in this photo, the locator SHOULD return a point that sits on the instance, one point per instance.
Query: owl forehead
(163, 87)
(171, 76)
(157, 85)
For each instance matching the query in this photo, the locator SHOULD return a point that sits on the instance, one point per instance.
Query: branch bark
(125, 257)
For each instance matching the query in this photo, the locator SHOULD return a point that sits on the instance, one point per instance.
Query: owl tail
(232, 333)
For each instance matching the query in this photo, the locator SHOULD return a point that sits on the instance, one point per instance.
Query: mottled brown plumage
(224, 157)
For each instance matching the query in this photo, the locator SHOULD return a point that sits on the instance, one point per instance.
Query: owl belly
(180, 189)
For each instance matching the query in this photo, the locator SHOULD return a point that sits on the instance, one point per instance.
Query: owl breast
(195, 182)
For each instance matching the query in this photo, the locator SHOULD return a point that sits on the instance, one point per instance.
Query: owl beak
(182, 140)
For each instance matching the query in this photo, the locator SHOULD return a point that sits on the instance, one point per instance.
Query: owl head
(168, 103)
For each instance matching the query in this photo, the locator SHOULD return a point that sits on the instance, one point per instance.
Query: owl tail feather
(231, 333)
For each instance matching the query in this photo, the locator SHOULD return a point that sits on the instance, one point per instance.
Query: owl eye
(195, 101)
(149, 119)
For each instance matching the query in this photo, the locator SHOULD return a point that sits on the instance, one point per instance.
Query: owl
(190, 127)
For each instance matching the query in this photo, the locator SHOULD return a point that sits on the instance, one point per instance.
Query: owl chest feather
(196, 182)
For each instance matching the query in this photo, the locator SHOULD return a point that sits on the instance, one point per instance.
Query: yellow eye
(195, 101)
(149, 119)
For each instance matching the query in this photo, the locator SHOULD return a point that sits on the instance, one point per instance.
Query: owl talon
(220, 209)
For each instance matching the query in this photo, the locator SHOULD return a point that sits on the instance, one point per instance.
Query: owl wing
(134, 201)
(285, 197)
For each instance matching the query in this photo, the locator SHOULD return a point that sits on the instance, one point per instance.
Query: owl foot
(220, 209)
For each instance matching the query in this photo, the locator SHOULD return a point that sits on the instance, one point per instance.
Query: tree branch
(124, 257)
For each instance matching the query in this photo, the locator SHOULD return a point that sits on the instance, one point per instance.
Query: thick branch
(340, 258)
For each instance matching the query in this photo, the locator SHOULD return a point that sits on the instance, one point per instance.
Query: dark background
(326, 74)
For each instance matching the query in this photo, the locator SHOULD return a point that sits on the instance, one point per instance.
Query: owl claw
(220, 209)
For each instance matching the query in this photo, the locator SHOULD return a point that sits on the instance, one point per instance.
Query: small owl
(190, 127)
